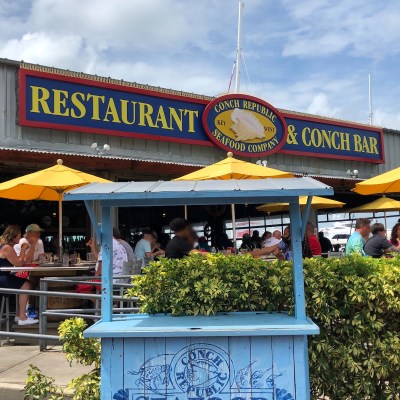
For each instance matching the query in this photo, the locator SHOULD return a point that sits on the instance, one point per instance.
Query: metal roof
(199, 192)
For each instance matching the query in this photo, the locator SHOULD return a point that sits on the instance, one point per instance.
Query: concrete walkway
(15, 361)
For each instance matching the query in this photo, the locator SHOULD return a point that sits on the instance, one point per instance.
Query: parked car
(339, 241)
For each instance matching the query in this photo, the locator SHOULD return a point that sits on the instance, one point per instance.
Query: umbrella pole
(384, 213)
(60, 241)
(186, 212)
(233, 225)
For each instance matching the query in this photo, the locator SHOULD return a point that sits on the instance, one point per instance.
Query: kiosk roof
(125, 194)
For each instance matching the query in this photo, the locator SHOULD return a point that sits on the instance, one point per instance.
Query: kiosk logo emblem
(244, 125)
(201, 371)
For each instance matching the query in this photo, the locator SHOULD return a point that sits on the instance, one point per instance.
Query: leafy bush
(77, 349)
(354, 300)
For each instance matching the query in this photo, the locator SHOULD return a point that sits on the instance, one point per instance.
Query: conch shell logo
(246, 126)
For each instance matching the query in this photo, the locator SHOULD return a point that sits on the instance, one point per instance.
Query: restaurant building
(160, 134)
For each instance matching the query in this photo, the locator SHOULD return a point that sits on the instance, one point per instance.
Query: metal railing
(87, 313)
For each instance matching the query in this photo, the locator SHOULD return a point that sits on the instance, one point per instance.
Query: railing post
(43, 286)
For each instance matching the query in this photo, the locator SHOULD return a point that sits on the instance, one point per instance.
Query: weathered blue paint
(298, 277)
(305, 216)
(93, 219)
(107, 270)
(191, 198)
(213, 368)
(224, 324)
(236, 356)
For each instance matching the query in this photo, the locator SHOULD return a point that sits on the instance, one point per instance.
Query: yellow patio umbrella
(382, 204)
(47, 184)
(317, 203)
(388, 182)
(232, 168)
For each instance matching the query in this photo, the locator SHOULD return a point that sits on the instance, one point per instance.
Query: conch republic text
(239, 123)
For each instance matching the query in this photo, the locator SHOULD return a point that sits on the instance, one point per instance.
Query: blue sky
(309, 56)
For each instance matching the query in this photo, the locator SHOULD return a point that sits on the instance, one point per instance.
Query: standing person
(32, 235)
(9, 258)
(395, 236)
(378, 244)
(182, 243)
(357, 240)
(326, 244)
(143, 246)
(119, 256)
(130, 254)
(313, 241)
(32, 238)
(147, 247)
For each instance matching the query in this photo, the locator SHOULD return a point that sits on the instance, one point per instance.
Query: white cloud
(189, 45)
(42, 48)
(362, 28)
(320, 106)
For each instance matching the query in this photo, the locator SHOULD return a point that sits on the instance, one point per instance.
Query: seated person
(326, 244)
(313, 241)
(246, 242)
(32, 235)
(224, 242)
(182, 243)
(282, 250)
(274, 239)
(144, 246)
(356, 242)
(378, 244)
(203, 244)
(9, 258)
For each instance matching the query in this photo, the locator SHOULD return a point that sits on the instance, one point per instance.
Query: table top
(52, 267)
(224, 324)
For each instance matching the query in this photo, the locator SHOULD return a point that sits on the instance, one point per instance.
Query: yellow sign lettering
(60, 101)
(77, 99)
(40, 96)
(95, 105)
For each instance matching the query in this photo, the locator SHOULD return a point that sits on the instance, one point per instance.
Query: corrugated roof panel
(175, 186)
(285, 185)
(137, 187)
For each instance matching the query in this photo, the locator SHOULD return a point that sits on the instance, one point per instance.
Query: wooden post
(297, 248)
(107, 264)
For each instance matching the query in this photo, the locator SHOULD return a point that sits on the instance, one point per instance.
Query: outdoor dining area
(76, 277)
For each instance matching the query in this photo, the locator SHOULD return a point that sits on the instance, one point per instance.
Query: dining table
(53, 269)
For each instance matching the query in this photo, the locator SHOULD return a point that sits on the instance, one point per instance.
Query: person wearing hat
(32, 238)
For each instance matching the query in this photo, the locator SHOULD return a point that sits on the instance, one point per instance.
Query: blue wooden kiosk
(241, 356)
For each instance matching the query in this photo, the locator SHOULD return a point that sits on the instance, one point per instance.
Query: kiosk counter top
(224, 324)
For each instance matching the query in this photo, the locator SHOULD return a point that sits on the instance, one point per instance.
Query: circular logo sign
(244, 125)
(201, 370)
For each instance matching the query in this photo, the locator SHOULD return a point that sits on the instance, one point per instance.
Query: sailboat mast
(371, 115)
(239, 47)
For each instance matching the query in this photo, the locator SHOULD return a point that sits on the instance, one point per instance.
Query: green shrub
(77, 349)
(354, 300)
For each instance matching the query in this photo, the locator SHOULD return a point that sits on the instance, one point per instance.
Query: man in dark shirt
(326, 244)
(180, 246)
(378, 243)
